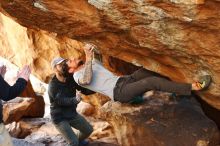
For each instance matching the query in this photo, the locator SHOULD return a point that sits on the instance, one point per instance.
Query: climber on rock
(64, 99)
(92, 75)
(7, 93)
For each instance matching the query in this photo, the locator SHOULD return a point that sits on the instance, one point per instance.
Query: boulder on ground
(25, 127)
(15, 109)
(179, 122)
(85, 108)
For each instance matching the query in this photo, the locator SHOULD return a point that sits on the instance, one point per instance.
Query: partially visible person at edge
(94, 76)
(64, 99)
(8, 92)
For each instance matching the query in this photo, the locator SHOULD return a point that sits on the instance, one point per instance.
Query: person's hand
(89, 50)
(24, 73)
(78, 96)
(3, 70)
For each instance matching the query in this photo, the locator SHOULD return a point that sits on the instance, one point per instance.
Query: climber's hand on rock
(89, 50)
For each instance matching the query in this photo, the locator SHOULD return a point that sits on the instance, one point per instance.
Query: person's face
(73, 64)
(62, 69)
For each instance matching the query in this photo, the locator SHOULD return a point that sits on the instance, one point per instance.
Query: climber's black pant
(143, 80)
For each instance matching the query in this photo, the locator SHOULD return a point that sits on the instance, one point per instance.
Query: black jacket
(62, 99)
(8, 92)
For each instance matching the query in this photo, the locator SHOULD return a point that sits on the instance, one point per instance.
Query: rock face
(156, 123)
(26, 46)
(178, 38)
(37, 107)
(15, 110)
(85, 108)
(25, 127)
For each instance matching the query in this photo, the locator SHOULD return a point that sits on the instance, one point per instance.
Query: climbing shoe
(83, 143)
(204, 82)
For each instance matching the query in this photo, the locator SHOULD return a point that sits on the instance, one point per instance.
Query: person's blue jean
(79, 123)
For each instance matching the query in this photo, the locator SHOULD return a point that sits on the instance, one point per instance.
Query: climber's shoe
(204, 82)
(83, 143)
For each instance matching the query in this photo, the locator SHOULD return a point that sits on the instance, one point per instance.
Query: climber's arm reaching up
(86, 78)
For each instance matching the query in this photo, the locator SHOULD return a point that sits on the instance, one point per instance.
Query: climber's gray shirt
(103, 81)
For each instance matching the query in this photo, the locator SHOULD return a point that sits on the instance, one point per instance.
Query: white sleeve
(77, 75)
